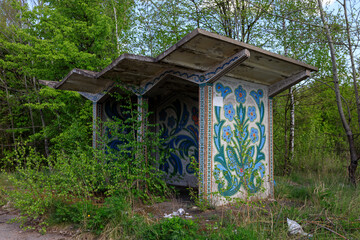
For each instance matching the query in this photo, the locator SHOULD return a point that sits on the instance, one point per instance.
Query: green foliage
(66, 183)
(45, 42)
(137, 153)
(180, 228)
(88, 215)
(320, 144)
(173, 228)
(197, 194)
(160, 24)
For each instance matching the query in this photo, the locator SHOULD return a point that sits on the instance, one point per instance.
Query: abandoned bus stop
(212, 97)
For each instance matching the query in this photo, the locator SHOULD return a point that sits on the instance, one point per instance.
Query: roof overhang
(199, 57)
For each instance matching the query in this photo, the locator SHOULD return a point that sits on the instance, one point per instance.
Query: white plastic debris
(295, 228)
(179, 212)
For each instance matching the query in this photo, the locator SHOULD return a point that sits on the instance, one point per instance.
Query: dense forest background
(316, 123)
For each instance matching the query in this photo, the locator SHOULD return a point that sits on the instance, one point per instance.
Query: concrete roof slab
(197, 52)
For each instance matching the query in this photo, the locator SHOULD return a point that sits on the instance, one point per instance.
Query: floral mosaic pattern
(223, 90)
(254, 135)
(239, 162)
(179, 129)
(229, 111)
(251, 113)
(227, 134)
(240, 94)
(113, 112)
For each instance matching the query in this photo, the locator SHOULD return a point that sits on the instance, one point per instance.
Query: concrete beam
(288, 82)
(268, 69)
(226, 66)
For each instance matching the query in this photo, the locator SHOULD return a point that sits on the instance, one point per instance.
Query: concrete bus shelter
(212, 98)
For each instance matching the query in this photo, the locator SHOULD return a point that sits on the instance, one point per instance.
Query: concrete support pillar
(97, 125)
(142, 118)
(205, 139)
(271, 152)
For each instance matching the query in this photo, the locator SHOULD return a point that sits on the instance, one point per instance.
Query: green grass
(326, 205)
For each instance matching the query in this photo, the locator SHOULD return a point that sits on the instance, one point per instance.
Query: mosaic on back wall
(240, 139)
(113, 110)
(179, 122)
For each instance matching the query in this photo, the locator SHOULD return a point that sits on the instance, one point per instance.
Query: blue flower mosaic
(260, 93)
(251, 113)
(240, 94)
(254, 135)
(257, 95)
(227, 134)
(223, 90)
(229, 112)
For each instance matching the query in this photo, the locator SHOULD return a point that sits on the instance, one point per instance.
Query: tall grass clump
(326, 204)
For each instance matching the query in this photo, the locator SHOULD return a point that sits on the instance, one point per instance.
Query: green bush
(90, 216)
(66, 184)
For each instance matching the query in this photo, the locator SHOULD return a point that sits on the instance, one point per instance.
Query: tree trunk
(353, 69)
(289, 148)
(116, 28)
(292, 125)
(30, 109)
(286, 153)
(10, 113)
(46, 141)
(353, 155)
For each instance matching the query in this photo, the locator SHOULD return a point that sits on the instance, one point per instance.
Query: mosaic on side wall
(179, 123)
(239, 139)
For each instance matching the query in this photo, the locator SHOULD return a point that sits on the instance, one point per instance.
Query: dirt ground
(12, 231)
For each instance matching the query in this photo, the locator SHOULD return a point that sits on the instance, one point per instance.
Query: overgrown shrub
(68, 184)
(91, 217)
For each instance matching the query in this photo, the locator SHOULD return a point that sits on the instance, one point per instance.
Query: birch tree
(349, 133)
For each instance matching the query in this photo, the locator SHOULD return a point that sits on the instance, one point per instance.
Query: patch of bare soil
(12, 231)
(158, 211)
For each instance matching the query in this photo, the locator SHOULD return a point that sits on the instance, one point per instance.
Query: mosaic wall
(240, 145)
(112, 110)
(179, 122)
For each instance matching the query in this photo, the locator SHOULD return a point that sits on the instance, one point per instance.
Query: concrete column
(205, 139)
(271, 152)
(97, 125)
(142, 118)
